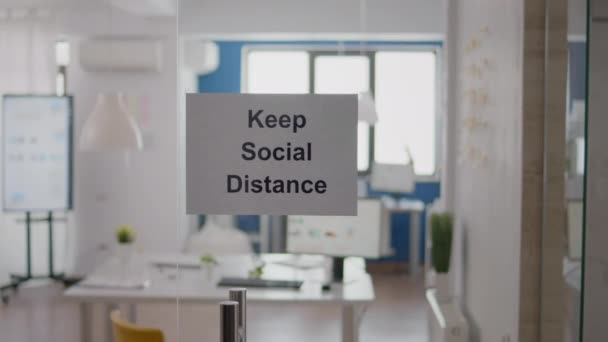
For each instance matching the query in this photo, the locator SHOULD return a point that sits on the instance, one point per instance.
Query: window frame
(369, 50)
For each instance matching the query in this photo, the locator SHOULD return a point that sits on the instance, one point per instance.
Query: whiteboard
(36, 153)
(343, 236)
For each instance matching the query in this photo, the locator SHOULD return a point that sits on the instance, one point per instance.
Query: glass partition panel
(576, 138)
(100, 89)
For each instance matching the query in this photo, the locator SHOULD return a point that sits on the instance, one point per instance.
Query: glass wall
(576, 138)
(594, 269)
(457, 231)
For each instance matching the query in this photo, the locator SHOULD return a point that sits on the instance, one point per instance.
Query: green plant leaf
(441, 237)
(208, 259)
(125, 234)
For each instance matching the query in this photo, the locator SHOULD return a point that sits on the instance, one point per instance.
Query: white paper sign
(271, 154)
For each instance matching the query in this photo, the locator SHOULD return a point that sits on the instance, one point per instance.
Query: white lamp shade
(110, 127)
(367, 108)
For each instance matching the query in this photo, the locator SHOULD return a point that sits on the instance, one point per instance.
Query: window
(274, 72)
(346, 75)
(403, 81)
(405, 102)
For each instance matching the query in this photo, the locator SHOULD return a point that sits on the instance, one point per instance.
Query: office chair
(126, 332)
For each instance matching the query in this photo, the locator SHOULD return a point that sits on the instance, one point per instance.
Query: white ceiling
(137, 7)
(211, 17)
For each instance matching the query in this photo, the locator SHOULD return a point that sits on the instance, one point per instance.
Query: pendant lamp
(110, 127)
(367, 108)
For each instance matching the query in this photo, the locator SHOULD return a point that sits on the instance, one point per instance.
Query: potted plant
(441, 249)
(256, 272)
(125, 236)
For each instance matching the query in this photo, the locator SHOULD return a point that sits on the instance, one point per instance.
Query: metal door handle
(229, 321)
(239, 295)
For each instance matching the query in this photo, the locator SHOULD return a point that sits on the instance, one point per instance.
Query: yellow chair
(127, 332)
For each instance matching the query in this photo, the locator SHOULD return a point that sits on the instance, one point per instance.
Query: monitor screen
(36, 152)
(340, 236)
(395, 178)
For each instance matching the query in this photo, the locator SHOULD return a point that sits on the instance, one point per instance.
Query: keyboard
(260, 283)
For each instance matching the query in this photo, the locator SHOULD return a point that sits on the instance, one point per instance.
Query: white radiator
(446, 321)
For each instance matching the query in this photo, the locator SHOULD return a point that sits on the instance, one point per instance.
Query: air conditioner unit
(446, 321)
(147, 8)
(124, 55)
(200, 56)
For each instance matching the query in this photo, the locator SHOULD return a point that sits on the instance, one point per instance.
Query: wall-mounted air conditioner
(147, 8)
(201, 56)
(122, 55)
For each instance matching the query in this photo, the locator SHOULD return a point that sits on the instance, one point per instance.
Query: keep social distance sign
(273, 154)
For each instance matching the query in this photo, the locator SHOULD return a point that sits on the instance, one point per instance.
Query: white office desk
(165, 284)
(415, 208)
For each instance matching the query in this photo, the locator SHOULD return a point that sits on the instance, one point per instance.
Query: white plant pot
(124, 252)
(442, 287)
(209, 270)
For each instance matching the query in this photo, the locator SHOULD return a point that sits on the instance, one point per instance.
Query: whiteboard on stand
(36, 152)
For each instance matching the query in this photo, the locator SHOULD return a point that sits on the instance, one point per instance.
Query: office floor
(399, 314)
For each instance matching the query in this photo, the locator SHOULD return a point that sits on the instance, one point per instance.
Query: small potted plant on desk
(441, 249)
(125, 236)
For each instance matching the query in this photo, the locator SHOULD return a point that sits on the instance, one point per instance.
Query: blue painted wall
(227, 79)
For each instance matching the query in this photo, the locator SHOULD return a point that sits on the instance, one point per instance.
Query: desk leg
(86, 325)
(109, 307)
(414, 243)
(132, 312)
(352, 315)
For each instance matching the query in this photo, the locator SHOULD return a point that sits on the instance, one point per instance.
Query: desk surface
(199, 285)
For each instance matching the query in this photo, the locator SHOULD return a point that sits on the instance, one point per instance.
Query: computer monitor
(340, 236)
(395, 178)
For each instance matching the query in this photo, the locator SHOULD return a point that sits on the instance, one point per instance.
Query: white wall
(26, 67)
(210, 17)
(484, 141)
(106, 192)
(109, 190)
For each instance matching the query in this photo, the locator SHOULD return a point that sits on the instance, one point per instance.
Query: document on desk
(114, 283)
(304, 262)
(117, 274)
